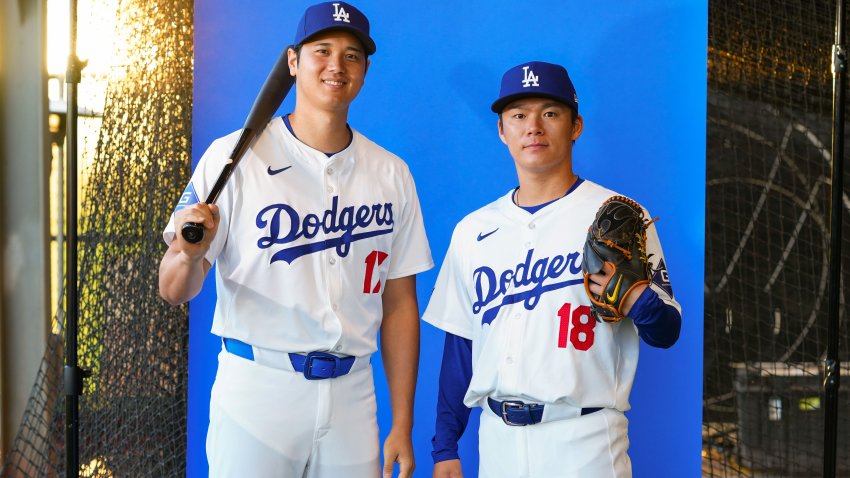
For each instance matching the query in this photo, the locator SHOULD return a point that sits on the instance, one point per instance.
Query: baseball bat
(271, 95)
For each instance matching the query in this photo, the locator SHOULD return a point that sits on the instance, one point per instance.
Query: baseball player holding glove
(543, 295)
(317, 237)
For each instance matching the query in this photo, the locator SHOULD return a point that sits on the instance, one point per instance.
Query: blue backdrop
(640, 72)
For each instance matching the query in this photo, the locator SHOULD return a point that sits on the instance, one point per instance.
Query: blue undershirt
(658, 324)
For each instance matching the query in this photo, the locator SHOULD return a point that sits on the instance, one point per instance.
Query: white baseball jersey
(307, 242)
(512, 283)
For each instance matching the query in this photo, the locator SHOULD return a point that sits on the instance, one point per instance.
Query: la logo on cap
(530, 79)
(340, 15)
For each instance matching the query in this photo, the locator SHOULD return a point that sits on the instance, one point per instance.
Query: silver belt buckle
(505, 405)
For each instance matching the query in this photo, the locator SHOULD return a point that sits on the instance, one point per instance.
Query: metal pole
(60, 228)
(832, 366)
(73, 375)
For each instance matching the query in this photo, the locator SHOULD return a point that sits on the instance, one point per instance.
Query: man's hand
(204, 214)
(597, 282)
(447, 469)
(183, 267)
(398, 448)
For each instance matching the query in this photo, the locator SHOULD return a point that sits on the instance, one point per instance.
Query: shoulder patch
(660, 277)
(188, 198)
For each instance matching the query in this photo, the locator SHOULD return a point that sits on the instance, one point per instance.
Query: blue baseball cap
(536, 78)
(334, 16)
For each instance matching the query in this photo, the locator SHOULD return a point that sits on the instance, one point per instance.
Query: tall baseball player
(524, 341)
(317, 238)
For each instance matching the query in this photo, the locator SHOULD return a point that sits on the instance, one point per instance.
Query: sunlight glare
(95, 33)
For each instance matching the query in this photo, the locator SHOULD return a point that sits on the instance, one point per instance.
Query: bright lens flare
(95, 33)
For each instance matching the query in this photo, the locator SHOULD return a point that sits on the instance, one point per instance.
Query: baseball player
(317, 238)
(521, 341)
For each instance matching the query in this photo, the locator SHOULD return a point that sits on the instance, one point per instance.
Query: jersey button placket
(529, 236)
(334, 265)
(330, 179)
(330, 187)
(331, 318)
(509, 375)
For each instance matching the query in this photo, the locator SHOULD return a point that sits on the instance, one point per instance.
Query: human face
(539, 133)
(329, 71)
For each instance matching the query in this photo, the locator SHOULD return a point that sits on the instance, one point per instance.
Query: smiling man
(317, 238)
(522, 341)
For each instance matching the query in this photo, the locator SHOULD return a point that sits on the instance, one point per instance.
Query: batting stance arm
(400, 355)
(183, 267)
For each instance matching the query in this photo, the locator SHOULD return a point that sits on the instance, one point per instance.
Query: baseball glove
(618, 237)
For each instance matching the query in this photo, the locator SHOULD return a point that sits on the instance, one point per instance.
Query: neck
(321, 130)
(540, 189)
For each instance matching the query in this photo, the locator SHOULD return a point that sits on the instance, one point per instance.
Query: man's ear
(501, 130)
(578, 127)
(292, 59)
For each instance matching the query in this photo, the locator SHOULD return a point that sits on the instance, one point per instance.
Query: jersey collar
(289, 129)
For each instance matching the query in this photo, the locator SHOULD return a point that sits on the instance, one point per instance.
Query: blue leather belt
(314, 365)
(517, 414)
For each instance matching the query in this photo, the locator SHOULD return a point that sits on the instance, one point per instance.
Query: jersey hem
(411, 271)
(447, 327)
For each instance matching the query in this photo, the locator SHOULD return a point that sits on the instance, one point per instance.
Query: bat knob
(192, 232)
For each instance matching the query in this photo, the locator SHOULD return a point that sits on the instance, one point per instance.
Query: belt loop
(239, 348)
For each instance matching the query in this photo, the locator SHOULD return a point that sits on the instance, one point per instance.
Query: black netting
(133, 409)
(767, 218)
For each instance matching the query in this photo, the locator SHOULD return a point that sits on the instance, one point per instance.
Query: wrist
(190, 260)
(444, 455)
(402, 426)
(630, 300)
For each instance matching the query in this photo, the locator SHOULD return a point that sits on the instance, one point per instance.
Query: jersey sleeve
(657, 323)
(452, 414)
(203, 178)
(656, 314)
(450, 307)
(411, 253)
(660, 281)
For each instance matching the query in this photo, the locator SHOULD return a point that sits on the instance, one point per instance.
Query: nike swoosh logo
(613, 297)
(482, 236)
(272, 172)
